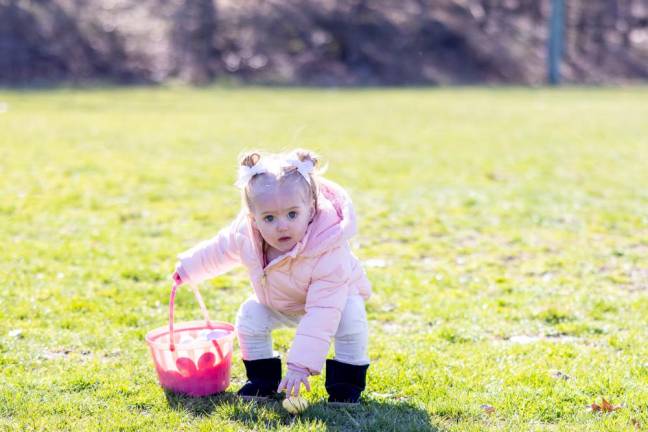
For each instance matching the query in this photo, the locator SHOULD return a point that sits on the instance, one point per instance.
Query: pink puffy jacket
(315, 277)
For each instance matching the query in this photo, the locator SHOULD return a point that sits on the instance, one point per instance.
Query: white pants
(255, 322)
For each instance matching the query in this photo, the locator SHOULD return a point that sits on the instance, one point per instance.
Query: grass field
(505, 232)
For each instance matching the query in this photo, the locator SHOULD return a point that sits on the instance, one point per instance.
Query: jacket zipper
(264, 278)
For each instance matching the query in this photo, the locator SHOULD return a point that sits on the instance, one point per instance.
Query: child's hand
(293, 380)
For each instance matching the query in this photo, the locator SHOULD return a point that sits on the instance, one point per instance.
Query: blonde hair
(277, 169)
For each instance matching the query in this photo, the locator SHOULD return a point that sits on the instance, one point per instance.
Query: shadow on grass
(370, 415)
(199, 406)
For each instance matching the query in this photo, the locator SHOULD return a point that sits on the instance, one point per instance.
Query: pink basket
(194, 357)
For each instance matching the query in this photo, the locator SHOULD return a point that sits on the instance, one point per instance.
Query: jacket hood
(334, 223)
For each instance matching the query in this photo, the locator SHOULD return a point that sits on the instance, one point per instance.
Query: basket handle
(194, 288)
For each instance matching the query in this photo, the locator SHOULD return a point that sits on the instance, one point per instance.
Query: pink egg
(206, 360)
(186, 366)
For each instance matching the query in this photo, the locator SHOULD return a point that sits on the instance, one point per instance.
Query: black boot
(344, 382)
(264, 376)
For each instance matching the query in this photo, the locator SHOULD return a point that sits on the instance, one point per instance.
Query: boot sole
(255, 398)
(343, 404)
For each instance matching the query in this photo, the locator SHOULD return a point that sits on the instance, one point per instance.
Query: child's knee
(353, 321)
(252, 318)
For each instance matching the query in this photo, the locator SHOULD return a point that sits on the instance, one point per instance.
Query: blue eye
(292, 214)
(268, 218)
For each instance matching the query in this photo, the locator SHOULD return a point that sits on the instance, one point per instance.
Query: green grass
(486, 216)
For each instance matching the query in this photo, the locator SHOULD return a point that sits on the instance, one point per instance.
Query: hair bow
(304, 167)
(246, 173)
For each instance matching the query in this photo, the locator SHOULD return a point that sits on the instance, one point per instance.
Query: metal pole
(556, 28)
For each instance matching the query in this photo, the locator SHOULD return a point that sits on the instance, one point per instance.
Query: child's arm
(325, 301)
(210, 258)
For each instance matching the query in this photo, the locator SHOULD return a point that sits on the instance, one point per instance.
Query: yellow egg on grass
(295, 404)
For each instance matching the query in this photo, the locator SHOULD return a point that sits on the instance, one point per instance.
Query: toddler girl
(292, 236)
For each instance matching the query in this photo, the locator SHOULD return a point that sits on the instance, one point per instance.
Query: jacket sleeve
(212, 257)
(325, 301)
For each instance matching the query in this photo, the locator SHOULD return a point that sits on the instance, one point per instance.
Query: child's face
(281, 212)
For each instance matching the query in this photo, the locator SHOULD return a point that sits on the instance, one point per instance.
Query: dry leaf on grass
(17, 333)
(605, 407)
(488, 409)
(559, 375)
(636, 424)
